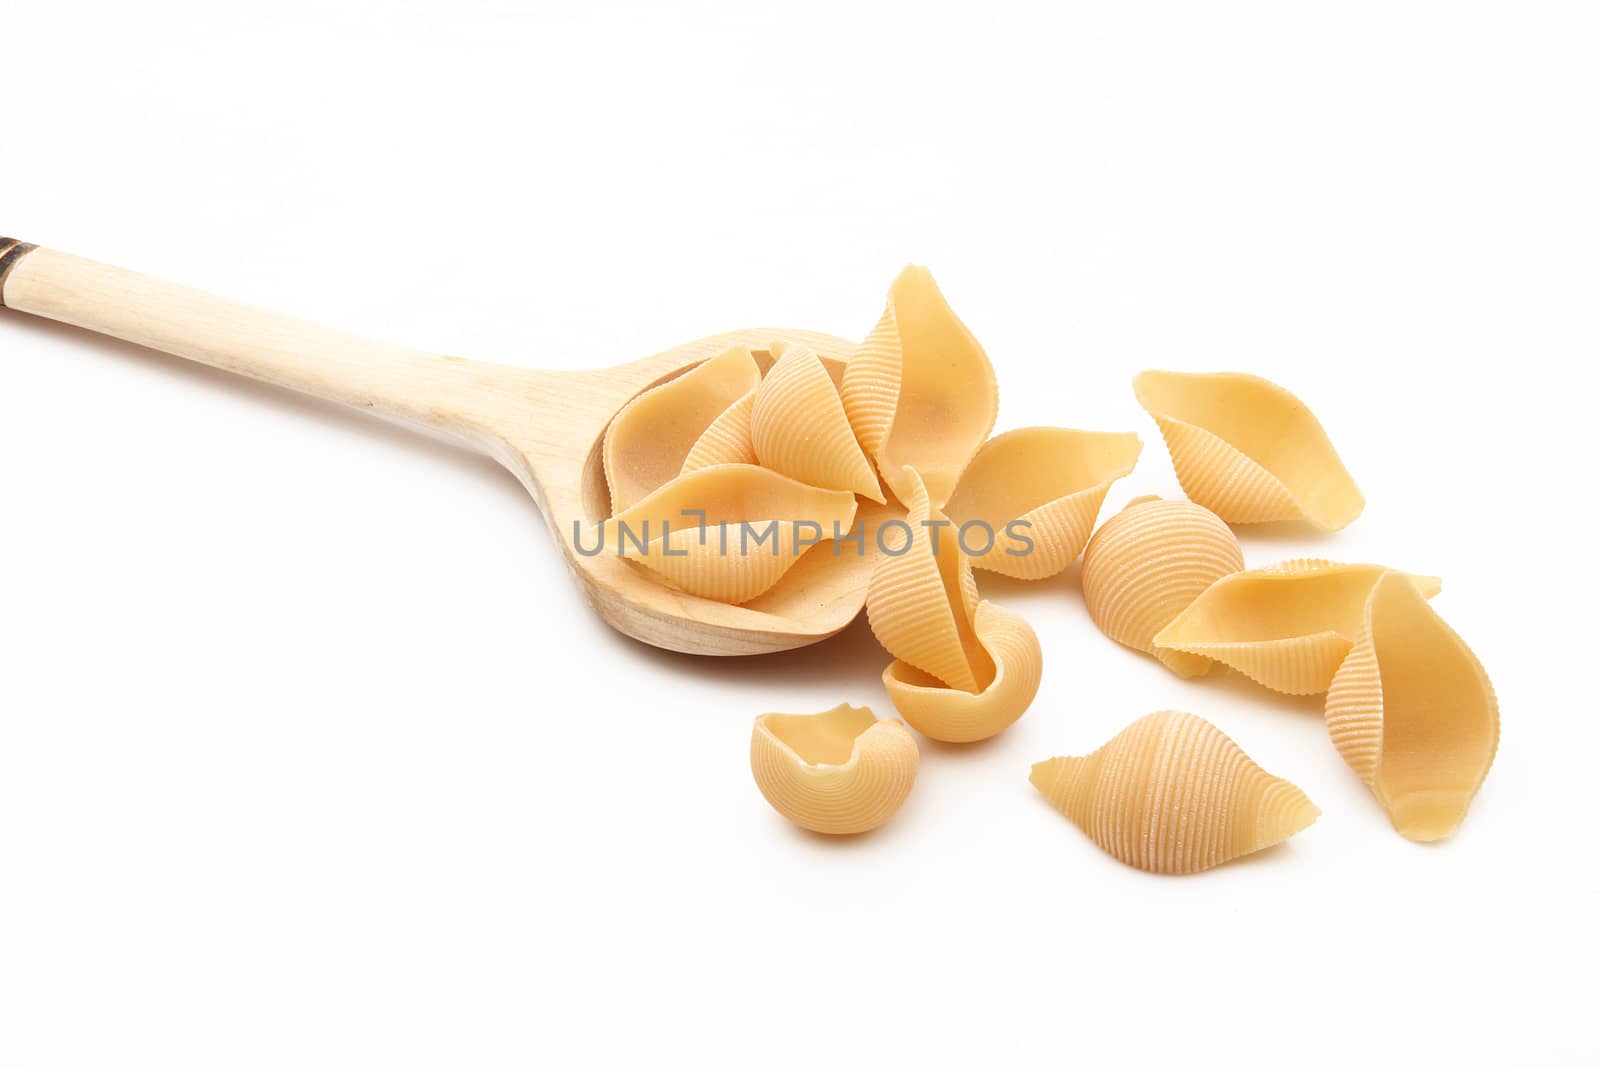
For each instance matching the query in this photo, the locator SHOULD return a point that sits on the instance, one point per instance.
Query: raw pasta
(1146, 564)
(1248, 449)
(1287, 626)
(946, 714)
(798, 426)
(1053, 481)
(842, 771)
(726, 440)
(1413, 713)
(1172, 794)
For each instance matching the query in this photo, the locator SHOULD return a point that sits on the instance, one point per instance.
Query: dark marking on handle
(11, 252)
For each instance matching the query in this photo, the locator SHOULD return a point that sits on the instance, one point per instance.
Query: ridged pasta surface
(798, 426)
(842, 771)
(1050, 483)
(1172, 794)
(1287, 626)
(1412, 711)
(1248, 449)
(1146, 564)
(920, 392)
(946, 714)
(726, 440)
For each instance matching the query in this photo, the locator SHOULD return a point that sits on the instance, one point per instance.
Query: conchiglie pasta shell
(920, 391)
(726, 440)
(1413, 713)
(1053, 481)
(842, 771)
(1287, 626)
(921, 602)
(1172, 794)
(798, 426)
(1248, 449)
(946, 714)
(752, 529)
(648, 440)
(1146, 564)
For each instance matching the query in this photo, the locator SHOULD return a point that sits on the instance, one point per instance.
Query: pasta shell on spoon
(1146, 564)
(726, 440)
(1034, 494)
(1287, 626)
(648, 440)
(920, 392)
(1248, 449)
(843, 771)
(727, 533)
(798, 426)
(1412, 711)
(1172, 794)
(946, 714)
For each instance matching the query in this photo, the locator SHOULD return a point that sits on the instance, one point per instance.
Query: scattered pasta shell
(1146, 564)
(921, 601)
(727, 533)
(1035, 494)
(946, 714)
(1287, 626)
(842, 771)
(798, 426)
(648, 440)
(726, 440)
(1413, 713)
(1248, 449)
(920, 392)
(1172, 794)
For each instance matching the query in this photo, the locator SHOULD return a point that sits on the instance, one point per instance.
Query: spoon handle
(431, 392)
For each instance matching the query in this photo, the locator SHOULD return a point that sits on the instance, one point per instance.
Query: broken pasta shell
(726, 440)
(920, 391)
(1172, 794)
(946, 714)
(1413, 713)
(1146, 564)
(727, 533)
(799, 428)
(1248, 449)
(921, 602)
(842, 771)
(1287, 626)
(648, 440)
(1034, 494)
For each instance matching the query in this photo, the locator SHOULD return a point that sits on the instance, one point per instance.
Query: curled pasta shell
(1146, 564)
(842, 771)
(1172, 794)
(946, 714)
(1413, 713)
(1248, 449)
(726, 440)
(921, 602)
(648, 440)
(727, 533)
(1050, 482)
(920, 391)
(799, 428)
(1287, 626)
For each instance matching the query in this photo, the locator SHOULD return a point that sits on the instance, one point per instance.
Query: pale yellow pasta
(946, 714)
(1172, 794)
(842, 771)
(921, 601)
(798, 426)
(1249, 450)
(1146, 564)
(1287, 626)
(726, 440)
(648, 440)
(920, 392)
(1413, 713)
(1026, 504)
(727, 533)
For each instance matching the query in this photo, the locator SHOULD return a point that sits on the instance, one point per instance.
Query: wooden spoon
(543, 426)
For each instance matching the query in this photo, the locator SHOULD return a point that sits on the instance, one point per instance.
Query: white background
(310, 752)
